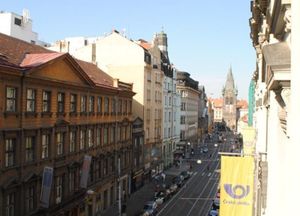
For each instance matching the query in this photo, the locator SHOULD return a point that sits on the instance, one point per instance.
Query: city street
(196, 196)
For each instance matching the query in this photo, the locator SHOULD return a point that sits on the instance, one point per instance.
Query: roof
(96, 75)
(217, 102)
(145, 44)
(14, 49)
(33, 60)
(242, 104)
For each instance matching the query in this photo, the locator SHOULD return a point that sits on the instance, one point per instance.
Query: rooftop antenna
(26, 15)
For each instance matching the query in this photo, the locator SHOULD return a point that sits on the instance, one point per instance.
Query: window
(98, 136)
(148, 76)
(148, 114)
(45, 145)
(99, 105)
(18, 21)
(30, 105)
(72, 141)
(29, 149)
(46, 101)
(120, 106)
(91, 104)
(105, 136)
(170, 101)
(106, 105)
(73, 103)
(90, 138)
(130, 107)
(183, 106)
(113, 107)
(29, 200)
(112, 134)
(182, 119)
(60, 102)
(125, 107)
(82, 139)
(72, 181)
(170, 116)
(10, 204)
(11, 98)
(59, 143)
(58, 188)
(182, 135)
(83, 104)
(148, 95)
(10, 149)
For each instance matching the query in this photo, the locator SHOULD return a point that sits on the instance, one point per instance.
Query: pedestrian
(207, 168)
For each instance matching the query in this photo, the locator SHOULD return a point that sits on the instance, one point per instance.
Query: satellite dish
(26, 15)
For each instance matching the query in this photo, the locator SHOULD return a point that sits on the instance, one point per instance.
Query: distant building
(19, 26)
(229, 102)
(188, 89)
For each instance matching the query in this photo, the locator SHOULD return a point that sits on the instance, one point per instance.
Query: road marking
(209, 174)
(173, 197)
(203, 174)
(196, 198)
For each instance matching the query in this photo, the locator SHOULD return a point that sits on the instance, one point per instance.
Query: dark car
(216, 203)
(185, 174)
(150, 207)
(178, 181)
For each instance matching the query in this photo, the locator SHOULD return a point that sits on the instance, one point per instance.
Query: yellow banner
(248, 140)
(236, 186)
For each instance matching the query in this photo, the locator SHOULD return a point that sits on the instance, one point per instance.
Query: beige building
(137, 62)
(190, 94)
(277, 139)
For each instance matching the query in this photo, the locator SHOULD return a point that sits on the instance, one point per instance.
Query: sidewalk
(135, 202)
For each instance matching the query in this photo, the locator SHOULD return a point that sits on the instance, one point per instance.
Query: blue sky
(204, 37)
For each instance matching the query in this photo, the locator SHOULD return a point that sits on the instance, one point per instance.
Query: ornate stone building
(229, 98)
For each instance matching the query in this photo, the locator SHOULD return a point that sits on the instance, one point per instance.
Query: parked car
(216, 203)
(173, 188)
(161, 196)
(150, 207)
(213, 212)
(185, 174)
(205, 150)
(178, 180)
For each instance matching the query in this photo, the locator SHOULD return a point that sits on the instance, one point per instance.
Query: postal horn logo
(237, 191)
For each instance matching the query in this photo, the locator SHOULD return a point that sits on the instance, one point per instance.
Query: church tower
(229, 102)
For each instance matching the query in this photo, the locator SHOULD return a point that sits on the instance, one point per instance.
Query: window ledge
(31, 114)
(48, 114)
(11, 113)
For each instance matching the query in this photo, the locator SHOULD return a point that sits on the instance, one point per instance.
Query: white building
(19, 26)
(277, 146)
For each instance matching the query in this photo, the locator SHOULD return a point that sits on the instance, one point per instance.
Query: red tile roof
(145, 44)
(217, 102)
(242, 104)
(14, 49)
(34, 60)
(96, 75)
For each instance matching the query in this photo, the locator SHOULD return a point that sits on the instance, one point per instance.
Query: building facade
(270, 26)
(61, 114)
(188, 89)
(202, 114)
(118, 56)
